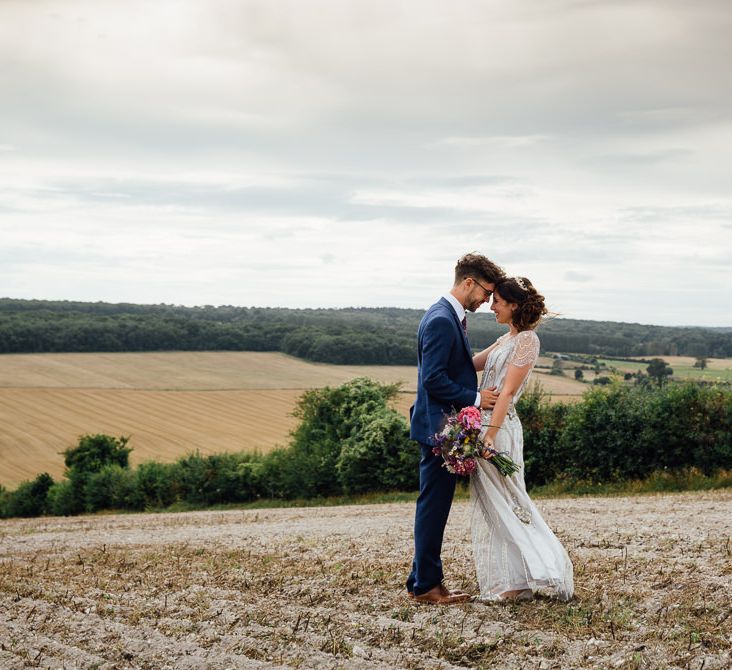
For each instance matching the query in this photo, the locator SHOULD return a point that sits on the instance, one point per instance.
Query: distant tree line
(383, 336)
(350, 441)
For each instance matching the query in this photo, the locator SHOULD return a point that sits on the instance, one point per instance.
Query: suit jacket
(446, 378)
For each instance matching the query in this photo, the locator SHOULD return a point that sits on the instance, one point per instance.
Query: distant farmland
(170, 403)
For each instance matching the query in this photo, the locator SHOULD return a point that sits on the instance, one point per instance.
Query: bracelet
(490, 425)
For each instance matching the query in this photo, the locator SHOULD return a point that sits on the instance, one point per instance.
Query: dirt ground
(322, 588)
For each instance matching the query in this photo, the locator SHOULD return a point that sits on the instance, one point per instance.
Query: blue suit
(446, 380)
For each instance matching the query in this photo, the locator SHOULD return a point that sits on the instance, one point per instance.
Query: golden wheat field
(169, 403)
(323, 588)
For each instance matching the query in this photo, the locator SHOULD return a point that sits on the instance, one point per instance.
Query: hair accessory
(520, 282)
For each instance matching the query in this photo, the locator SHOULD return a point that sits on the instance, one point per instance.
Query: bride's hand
(487, 444)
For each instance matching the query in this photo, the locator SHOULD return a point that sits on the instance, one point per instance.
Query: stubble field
(322, 588)
(170, 403)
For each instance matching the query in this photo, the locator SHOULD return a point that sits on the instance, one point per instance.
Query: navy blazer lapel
(451, 309)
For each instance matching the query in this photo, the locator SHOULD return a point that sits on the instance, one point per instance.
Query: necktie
(465, 325)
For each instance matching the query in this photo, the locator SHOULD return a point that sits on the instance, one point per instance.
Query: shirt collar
(459, 309)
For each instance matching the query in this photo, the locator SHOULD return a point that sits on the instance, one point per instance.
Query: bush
(215, 479)
(329, 419)
(629, 432)
(95, 451)
(61, 499)
(156, 485)
(29, 499)
(599, 440)
(543, 423)
(91, 455)
(380, 457)
(113, 487)
(689, 425)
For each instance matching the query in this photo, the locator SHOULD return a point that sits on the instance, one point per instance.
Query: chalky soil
(323, 588)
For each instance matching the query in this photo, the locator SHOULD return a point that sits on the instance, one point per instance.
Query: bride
(515, 552)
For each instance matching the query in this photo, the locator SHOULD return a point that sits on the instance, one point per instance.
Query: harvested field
(38, 424)
(170, 403)
(322, 588)
(187, 370)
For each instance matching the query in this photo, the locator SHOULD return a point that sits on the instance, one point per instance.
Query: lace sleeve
(526, 349)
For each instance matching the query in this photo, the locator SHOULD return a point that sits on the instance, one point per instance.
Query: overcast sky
(346, 153)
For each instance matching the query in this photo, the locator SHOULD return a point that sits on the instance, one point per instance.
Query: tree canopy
(385, 336)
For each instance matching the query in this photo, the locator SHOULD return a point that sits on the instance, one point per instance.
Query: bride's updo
(530, 303)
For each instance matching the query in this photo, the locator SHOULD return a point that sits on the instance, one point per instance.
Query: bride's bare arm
(515, 376)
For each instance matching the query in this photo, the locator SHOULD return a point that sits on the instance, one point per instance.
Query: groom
(446, 380)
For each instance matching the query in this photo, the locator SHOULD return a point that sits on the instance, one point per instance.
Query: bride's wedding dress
(513, 547)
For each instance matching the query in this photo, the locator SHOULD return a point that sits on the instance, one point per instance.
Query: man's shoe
(439, 595)
(445, 592)
(448, 592)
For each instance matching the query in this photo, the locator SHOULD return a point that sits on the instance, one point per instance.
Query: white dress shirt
(460, 311)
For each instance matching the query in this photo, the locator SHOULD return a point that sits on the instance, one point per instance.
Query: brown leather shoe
(445, 592)
(439, 595)
(449, 592)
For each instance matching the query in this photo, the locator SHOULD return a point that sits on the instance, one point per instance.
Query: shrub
(379, 457)
(330, 418)
(215, 479)
(92, 453)
(113, 487)
(95, 451)
(629, 432)
(689, 425)
(543, 423)
(156, 485)
(61, 499)
(29, 499)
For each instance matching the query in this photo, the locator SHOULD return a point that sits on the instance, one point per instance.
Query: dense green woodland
(346, 336)
(351, 441)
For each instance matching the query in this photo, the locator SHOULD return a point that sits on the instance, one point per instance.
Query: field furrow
(37, 424)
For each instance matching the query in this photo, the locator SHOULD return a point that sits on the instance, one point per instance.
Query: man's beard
(472, 307)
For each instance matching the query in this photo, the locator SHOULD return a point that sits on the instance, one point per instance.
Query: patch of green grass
(689, 479)
(269, 503)
(681, 372)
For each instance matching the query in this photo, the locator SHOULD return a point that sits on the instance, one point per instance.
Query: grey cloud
(359, 104)
(580, 277)
(648, 158)
(304, 198)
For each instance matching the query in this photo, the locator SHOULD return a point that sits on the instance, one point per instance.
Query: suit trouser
(436, 490)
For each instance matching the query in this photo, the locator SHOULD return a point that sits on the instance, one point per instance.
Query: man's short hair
(478, 267)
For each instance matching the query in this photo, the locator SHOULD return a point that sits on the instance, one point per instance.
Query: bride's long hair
(530, 303)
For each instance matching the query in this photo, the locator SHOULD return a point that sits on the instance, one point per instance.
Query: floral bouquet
(460, 446)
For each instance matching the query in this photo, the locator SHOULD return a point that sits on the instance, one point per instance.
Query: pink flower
(469, 417)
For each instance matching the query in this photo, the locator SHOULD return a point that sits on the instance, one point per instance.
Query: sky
(347, 153)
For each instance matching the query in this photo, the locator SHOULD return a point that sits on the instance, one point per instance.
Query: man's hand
(488, 398)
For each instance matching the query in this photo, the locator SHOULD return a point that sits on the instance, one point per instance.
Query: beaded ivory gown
(513, 547)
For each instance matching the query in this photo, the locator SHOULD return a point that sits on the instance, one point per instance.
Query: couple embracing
(516, 554)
